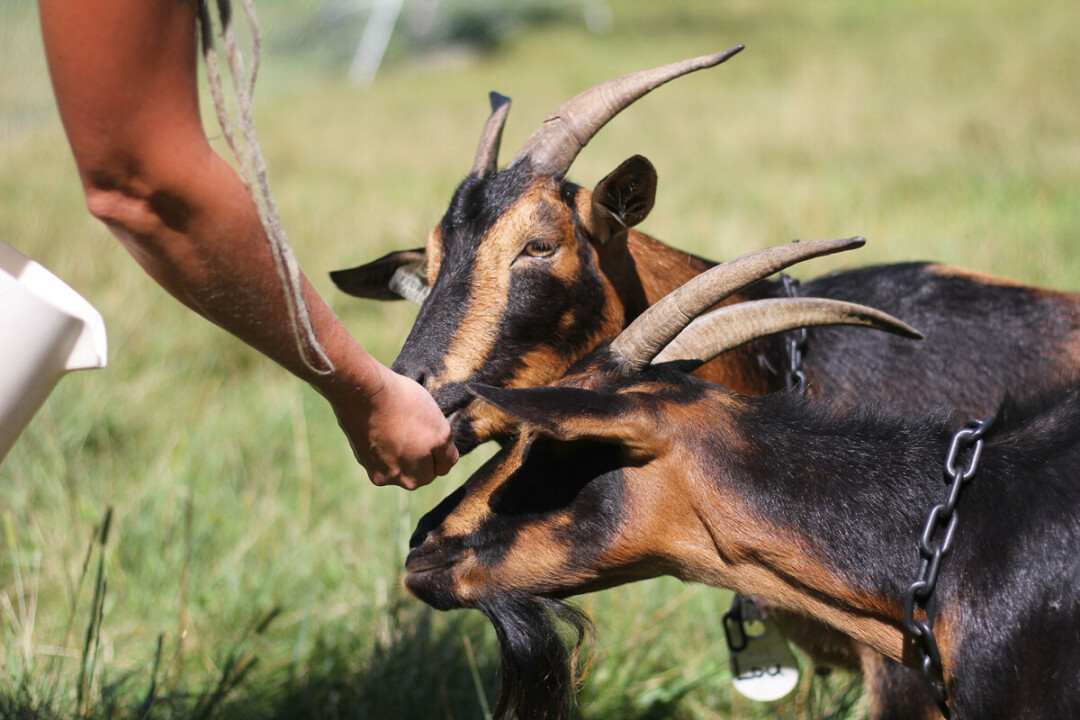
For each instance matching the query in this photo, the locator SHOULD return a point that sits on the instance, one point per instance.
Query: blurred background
(250, 570)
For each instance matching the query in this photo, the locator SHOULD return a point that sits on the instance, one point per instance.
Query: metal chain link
(795, 343)
(920, 592)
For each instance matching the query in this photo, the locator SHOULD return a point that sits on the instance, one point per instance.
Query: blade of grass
(478, 684)
(93, 628)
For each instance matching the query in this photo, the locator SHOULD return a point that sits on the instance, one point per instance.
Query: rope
(252, 167)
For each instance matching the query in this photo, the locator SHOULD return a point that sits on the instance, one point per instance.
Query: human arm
(125, 77)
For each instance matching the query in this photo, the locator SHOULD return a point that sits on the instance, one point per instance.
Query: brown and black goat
(527, 272)
(629, 468)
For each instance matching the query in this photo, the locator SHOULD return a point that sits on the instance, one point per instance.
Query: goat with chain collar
(526, 272)
(626, 470)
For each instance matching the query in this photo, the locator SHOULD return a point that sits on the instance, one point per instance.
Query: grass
(250, 570)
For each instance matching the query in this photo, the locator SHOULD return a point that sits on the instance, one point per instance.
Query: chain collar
(921, 592)
(794, 342)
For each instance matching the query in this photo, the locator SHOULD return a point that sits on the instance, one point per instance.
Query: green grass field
(250, 570)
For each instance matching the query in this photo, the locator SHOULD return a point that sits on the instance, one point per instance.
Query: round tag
(763, 667)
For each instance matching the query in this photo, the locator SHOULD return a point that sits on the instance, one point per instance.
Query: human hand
(399, 435)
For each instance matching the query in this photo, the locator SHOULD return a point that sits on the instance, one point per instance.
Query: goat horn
(487, 152)
(644, 338)
(729, 327)
(553, 147)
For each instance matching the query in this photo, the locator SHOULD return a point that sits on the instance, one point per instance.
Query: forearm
(201, 239)
(194, 228)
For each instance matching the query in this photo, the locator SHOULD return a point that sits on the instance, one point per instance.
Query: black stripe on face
(577, 486)
(475, 207)
(538, 306)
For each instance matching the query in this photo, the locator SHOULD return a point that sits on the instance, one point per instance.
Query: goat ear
(576, 414)
(623, 199)
(399, 275)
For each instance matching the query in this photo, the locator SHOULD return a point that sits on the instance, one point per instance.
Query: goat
(527, 272)
(629, 468)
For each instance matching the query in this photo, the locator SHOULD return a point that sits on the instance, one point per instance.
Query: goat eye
(540, 248)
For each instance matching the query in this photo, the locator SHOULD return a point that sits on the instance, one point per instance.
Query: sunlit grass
(938, 132)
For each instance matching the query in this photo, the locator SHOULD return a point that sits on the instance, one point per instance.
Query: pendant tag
(763, 667)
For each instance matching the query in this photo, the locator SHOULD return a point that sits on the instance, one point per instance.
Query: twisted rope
(252, 167)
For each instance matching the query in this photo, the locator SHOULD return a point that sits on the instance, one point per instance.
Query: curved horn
(553, 147)
(644, 338)
(487, 152)
(729, 327)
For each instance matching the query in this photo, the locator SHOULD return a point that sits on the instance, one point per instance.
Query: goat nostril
(416, 372)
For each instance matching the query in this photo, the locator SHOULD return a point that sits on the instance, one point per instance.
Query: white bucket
(46, 330)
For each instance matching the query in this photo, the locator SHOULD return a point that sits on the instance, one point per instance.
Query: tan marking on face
(565, 265)
(584, 208)
(537, 563)
(539, 560)
(489, 422)
(488, 297)
(475, 507)
(657, 508)
(540, 366)
(434, 254)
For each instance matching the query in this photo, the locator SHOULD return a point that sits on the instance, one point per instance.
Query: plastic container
(46, 330)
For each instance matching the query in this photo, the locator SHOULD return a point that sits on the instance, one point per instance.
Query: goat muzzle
(430, 577)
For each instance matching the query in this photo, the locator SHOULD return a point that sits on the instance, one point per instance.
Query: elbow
(137, 208)
(144, 223)
(142, 186)
(148, 196)
(119, 209)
